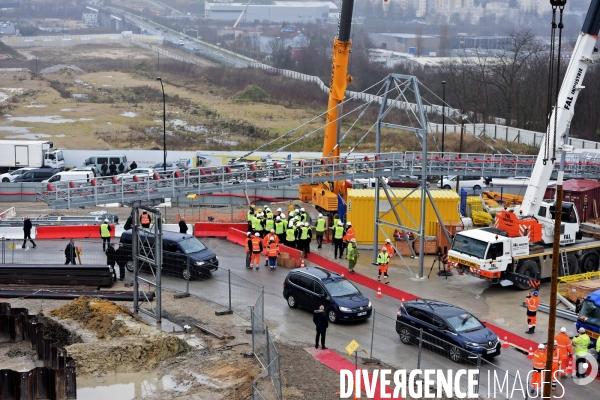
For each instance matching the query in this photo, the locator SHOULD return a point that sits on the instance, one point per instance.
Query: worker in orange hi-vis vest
(389, 248)
(266, 241)
(257, 248)
(272, 253)
(532, 302)
(556, 356)
(539, 363)
(566, 350)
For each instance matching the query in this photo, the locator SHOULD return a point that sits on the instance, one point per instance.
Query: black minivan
(178, 248)
(312, 287)
(37, 175)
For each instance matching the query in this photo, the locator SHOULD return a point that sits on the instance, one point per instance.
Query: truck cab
(54, 159)
(486, 252)
(589, 315)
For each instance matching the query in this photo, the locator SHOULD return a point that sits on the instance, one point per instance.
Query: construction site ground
(120, 364)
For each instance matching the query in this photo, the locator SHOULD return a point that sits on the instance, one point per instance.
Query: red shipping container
(582, 192)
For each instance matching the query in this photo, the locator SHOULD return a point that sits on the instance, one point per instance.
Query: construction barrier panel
(211, 229)
(236, 236)
(16, 232)
(71, 232)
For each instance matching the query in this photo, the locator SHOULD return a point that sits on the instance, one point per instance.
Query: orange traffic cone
(505, 342)
(530, 355)
(379, 292)
(570, 367)
(302, 263)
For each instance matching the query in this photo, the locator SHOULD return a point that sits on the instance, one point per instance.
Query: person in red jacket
(532, 302)
(257, 248)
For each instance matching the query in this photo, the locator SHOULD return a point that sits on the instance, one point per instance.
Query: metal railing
(274, 174)
(265, 351)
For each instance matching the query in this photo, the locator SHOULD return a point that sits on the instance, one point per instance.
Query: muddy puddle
(50, 119)
(127, 386)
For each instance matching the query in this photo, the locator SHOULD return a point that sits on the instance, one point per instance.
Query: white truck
(15, 154)
(518, 250)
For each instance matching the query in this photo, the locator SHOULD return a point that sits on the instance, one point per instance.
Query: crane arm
(339, 78)
(564, 109)
(241, 15)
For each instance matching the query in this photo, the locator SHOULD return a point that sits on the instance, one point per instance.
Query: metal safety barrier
(268, 174)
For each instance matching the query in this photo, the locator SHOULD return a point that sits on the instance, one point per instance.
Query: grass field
(120, 105)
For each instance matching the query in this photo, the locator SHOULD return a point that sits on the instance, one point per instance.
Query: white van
(71, 176)
(98, 160)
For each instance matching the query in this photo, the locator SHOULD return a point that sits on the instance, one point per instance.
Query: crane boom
(241, 15)
(339, 78)
(564, 109)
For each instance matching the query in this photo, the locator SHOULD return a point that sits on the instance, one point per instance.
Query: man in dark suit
(70, 253)
(183, 228)
(27, 226)
(321, 323)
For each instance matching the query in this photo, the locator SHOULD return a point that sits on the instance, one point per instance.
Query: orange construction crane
(325, 196)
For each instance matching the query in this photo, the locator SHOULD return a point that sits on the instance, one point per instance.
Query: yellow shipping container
(361, 211)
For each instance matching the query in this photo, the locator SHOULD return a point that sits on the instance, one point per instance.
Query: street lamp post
(443, 125)
(164, 126)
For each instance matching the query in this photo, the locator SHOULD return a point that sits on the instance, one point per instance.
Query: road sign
(352, 347)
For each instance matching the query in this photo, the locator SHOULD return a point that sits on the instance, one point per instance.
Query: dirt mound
(96, 315)
(121, 343)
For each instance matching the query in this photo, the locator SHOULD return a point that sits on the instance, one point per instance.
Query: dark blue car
(447, 328)
(313, 287)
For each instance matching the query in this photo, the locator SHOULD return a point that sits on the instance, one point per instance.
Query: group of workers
(564, 349)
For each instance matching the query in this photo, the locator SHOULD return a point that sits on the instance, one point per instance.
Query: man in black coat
(27, 232)
(121, 259)
(70, 253)
(121, 167)
(112, 168)
(183, 228)
(104, 169)
(133, 165)
(128, 223)
(111, 259)
(321, 323)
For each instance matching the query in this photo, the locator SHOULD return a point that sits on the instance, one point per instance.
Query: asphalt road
(296, 325)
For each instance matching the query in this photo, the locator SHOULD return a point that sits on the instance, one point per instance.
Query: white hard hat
(296, 211)
(541, 346)
(340, 223)
(248, 233)
(283, 215)
(257, 234)
(302, 209)
(272, 230)
(272, 239)
(581, 330)
(267, 208)
(320, 215)
(306, 224)
(563, 329)
(279, 210)
(299, 224)
(388, 241)
(278, 218)
(384, 249)
(353, 240)
(105, 220)
(348, 223)
(555, 342)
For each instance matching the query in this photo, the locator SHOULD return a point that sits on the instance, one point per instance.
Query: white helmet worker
(306, 224)
(388, 241)
(302, 209)
(349, 223)
(257, 234)
(278, 218)
(340, 223)
(563, 329)
(320, 215)
(581, 330)
(541, 346)
(279, 210)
